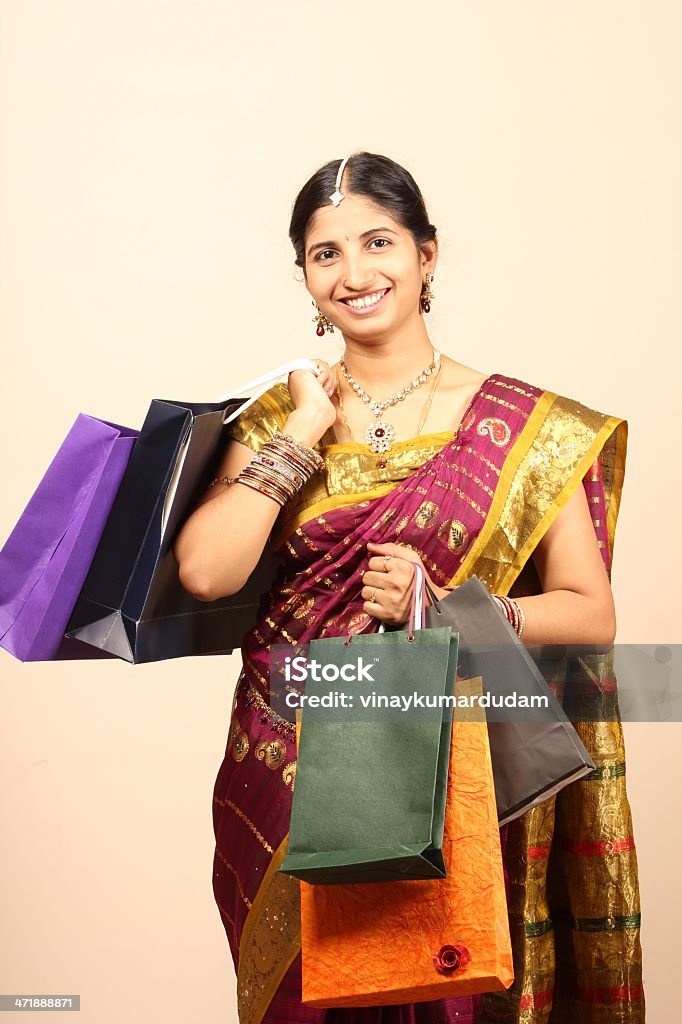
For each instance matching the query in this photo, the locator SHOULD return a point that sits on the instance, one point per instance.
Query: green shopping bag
(371, 780)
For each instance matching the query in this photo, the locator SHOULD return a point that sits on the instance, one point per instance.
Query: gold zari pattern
(591, 876)
(351, 469)
(270, 940)
(554, 452)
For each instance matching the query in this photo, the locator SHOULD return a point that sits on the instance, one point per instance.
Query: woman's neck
(389, 362)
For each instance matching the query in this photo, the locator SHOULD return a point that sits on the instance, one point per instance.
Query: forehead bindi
(332, 225)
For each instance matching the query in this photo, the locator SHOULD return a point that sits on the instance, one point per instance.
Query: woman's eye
(324, 255)
(381, 243)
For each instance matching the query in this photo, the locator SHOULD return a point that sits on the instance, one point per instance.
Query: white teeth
(368, 300)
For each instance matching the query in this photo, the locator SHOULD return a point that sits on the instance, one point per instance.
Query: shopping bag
(46, 557)
(535, 753)
(132, 603)
(413, 941)
(369, 800)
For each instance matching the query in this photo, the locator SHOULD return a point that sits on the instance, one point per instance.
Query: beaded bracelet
(282, 466)
(223, 480)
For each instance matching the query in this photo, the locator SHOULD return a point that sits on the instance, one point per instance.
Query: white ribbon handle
(261, 385)
(419, 609)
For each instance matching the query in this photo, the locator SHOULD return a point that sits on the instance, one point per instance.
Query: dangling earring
(322, 323)
(427, 295)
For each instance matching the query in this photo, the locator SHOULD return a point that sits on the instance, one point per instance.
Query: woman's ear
(428, 256)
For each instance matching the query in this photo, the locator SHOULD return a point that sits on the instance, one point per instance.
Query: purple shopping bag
(48, 554)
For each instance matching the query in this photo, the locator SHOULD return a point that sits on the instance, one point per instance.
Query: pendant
(379, 436)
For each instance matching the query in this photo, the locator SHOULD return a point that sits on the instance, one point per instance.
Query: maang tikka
(323, 324)
(337, 195)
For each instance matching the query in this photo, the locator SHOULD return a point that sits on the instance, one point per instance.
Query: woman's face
(363, 268)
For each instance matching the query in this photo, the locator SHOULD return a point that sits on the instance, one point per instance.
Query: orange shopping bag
(384, 943)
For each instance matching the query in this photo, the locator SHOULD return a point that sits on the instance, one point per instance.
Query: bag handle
(417, 618)
(261, 385)
(434, 600)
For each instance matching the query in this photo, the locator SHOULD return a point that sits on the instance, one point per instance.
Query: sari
(475, 501)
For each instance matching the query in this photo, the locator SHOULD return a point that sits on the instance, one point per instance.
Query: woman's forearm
(563, 617)
(222, 541)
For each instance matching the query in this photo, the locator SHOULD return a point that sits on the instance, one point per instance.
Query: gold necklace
(380, 434)
(422, 420)
(432, 392)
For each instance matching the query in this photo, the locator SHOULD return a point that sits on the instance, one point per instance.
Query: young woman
(398, 454)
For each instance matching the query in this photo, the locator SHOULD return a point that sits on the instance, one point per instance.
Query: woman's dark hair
(377, 178)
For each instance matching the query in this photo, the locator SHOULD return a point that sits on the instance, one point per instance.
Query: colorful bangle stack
(282, 466)
(512, 611)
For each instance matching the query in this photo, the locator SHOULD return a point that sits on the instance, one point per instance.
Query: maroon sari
(476, 502)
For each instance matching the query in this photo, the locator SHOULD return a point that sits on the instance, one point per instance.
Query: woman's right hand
(312, 395)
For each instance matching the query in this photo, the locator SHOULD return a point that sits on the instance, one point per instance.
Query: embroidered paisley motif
(289, 774)
(271, 751)
(468, 420)
(498, 431)
(239, 742)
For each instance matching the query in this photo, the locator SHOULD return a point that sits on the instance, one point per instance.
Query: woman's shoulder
(458, 376)
(277, 399)
(552, 410)
(563, 430)
(262, 418)
(462, 382)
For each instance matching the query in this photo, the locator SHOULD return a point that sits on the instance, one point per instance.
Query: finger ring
(373, 596)
(386, 558)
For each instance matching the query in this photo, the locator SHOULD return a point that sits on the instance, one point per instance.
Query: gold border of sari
(560, 432)
(534, 486)
(270, 941)
(348, 484)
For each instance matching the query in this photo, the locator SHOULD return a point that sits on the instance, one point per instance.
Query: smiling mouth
(366, 302)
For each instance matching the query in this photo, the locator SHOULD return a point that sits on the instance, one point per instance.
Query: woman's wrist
(440, 593)
(512, 611)
(307, 425)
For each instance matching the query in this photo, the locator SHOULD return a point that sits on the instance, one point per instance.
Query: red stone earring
(427, 295)
(323, 324)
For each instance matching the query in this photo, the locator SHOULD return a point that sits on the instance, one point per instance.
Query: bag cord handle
(417, 611)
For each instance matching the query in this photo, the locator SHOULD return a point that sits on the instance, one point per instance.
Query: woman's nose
(357, 274)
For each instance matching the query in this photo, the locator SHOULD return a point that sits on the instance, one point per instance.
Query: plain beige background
(151, 152)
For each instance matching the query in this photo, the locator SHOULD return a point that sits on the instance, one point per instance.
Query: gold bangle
(263, 488)
(305, 449)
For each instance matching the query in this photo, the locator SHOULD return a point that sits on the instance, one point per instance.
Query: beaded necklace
(386, 447)
(380, 433)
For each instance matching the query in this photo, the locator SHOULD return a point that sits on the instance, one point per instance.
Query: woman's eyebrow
(365, 234)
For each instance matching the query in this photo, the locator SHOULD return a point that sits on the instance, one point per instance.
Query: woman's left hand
(387, 583)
